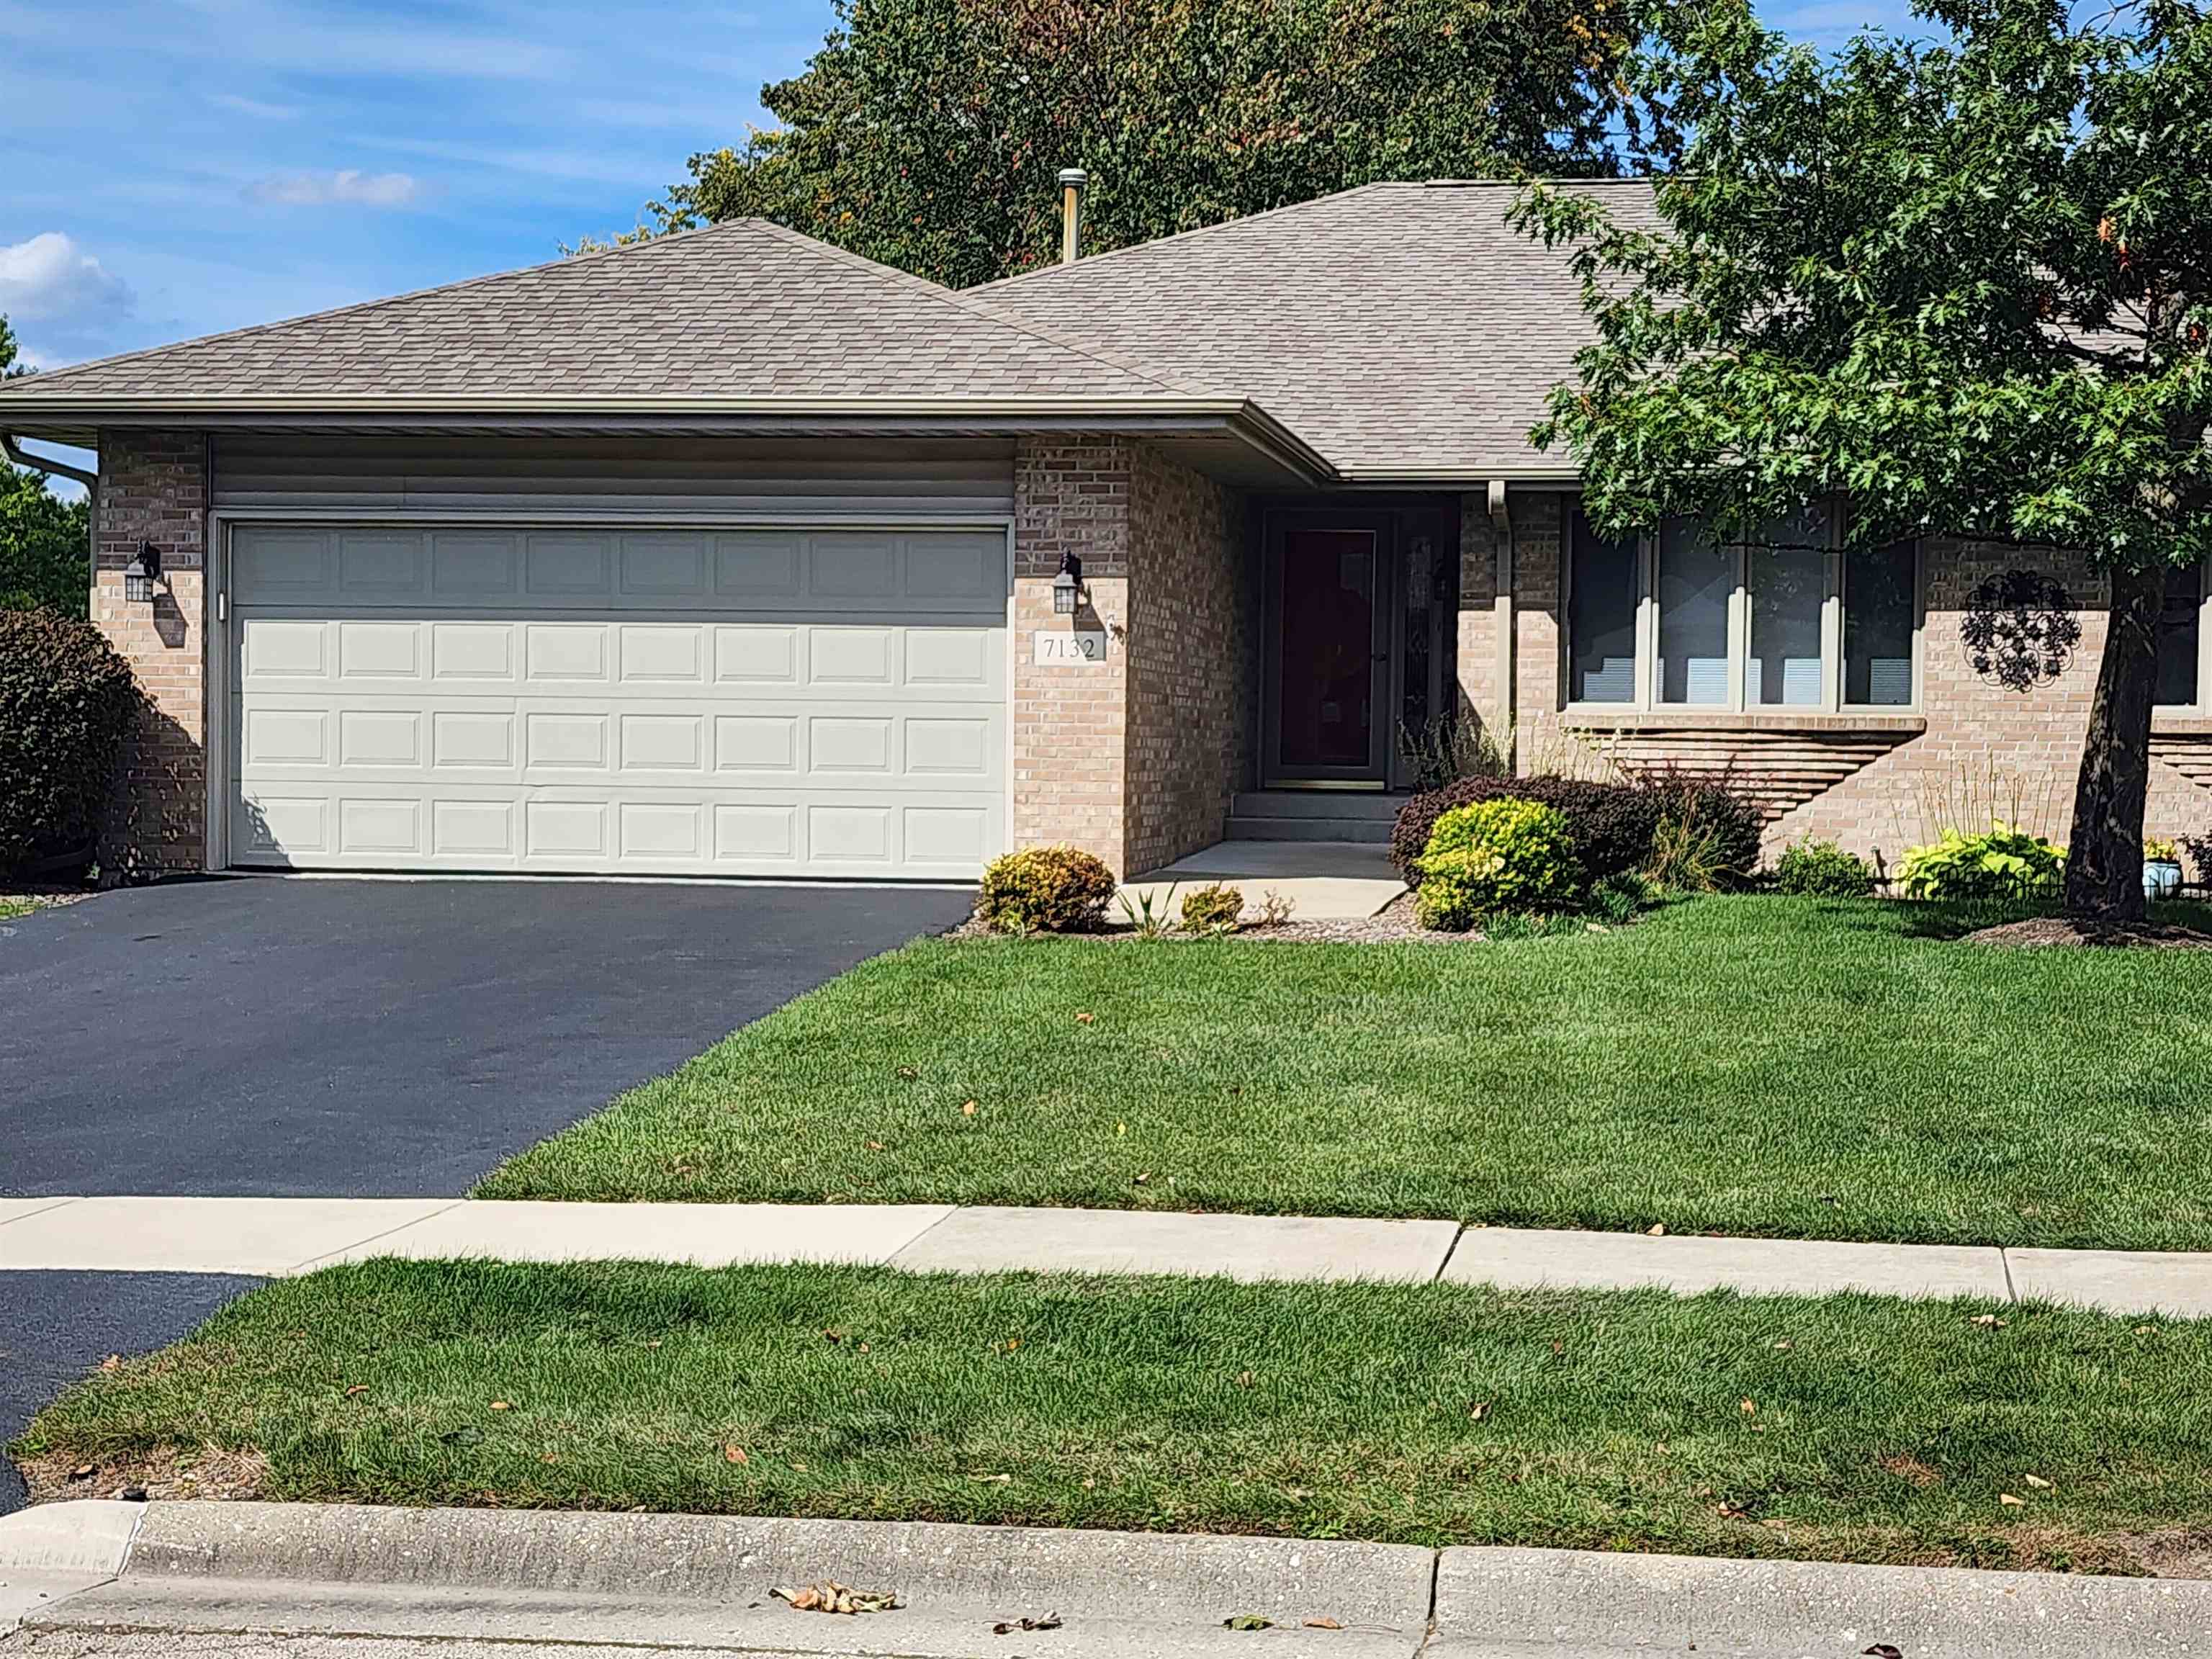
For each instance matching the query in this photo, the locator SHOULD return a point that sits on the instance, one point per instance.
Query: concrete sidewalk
(300, 1572)
(274, 1237)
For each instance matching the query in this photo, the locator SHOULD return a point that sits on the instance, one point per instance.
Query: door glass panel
(1325, 714)
(2178, 626)
(1601, 619)
(1878, 617)
(1786, 574)
(1696, 578)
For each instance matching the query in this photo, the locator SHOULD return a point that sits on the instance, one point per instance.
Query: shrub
(2004, 861)
(1045, 889)
(1504, 854)
(1705, 837)
(1212, 910)
(66, 701)
(1611, 823)
(1820, 869)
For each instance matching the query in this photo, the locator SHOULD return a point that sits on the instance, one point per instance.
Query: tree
(43, 557)
(1966, 285)
(928, 133)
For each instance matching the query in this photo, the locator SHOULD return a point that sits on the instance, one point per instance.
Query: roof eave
(59, 416)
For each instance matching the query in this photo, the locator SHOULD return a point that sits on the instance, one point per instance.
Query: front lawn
(1851, 1427)
(1757, 1065)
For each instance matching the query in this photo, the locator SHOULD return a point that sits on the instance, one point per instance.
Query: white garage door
(754, 702)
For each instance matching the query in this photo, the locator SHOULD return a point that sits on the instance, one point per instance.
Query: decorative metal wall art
(2019, 629)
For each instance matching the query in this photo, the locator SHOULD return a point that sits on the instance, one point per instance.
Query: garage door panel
(602, 702)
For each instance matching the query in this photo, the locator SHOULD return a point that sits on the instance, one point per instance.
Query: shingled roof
(1401, 330)
(744, 309)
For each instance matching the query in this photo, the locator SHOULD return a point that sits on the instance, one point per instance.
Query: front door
(1326, 707)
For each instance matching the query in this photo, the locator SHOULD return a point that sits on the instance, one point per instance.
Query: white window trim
(1832, 703)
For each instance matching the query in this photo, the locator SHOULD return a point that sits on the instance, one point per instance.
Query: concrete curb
(277, 1236)
(695, 1581)
(699, 1580)
(1494, 1603)
(49, 1554)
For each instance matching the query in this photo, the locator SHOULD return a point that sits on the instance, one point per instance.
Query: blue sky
(175, 168)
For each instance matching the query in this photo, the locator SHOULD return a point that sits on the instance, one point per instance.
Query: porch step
(1314, 815)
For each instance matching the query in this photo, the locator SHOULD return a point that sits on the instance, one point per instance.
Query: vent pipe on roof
(1073, 181)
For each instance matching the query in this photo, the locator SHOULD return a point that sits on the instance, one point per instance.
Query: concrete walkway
(275, 1236)
(1324, 880)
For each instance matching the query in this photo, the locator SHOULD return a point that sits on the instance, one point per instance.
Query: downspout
(75, 474)
(1501, 542)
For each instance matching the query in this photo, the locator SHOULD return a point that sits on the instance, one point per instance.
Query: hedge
(66, 701)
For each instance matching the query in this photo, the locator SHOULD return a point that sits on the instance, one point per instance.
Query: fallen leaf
(1990, 1322)
(1244, 1379)
(2038, 1481)
(1246, 1621)
(800, 1467)
(1883, 1651)
(1121, 1128)
(833, 1336)
(1323, 1623)
(1144, 1177)
(996, 1480)
(969, 1110)
(828, 1595)
(358, 1388)
(82, 1472)
(501, 1405)
(654, 1343)
(735, 1455)
(2007, 1498)
(1089, 1483)
(1477, 1411)
(1656, 1230)
(1008, 1626)
(1748, 1406)
(909, 1073)
(1784, 1343)
(112, 1363)
(875, 1146)
(1086, 1019)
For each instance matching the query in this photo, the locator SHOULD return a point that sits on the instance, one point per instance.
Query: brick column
(154, 488)
(1071, 722)
(1538, 694)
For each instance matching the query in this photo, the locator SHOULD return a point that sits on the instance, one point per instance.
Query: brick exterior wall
(1984, 750)
(1481, 698)
(1134, 759)
(1193, 660)
(154, 488)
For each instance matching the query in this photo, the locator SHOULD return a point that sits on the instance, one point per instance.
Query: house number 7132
(1077, 649)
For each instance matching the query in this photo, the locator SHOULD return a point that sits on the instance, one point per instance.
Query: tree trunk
(2104, 854)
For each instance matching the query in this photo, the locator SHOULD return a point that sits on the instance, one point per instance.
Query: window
(1601, 587)
(1677, 620)
(2181, 638)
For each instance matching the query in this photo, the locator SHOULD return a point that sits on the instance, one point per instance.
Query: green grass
(1756, 1064)
(10, 908)
(1875, 1430)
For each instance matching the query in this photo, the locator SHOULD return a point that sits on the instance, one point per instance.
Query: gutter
(78, 475)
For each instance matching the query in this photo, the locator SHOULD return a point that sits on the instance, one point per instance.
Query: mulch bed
(2044, 932)
(1394, 924)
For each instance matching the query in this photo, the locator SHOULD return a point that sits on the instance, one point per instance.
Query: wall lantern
(141, 573)
(1067, 587)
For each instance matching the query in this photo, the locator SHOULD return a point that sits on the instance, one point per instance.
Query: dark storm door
(1325, 707)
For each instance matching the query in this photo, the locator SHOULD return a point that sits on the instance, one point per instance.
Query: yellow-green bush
(2005, 861)
(1505, 854)
(1045, 889)
(1212, 910)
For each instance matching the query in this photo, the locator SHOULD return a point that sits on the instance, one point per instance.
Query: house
(733, 553)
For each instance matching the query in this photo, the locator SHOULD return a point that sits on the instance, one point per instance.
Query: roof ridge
(1043, 271)
(566, 261)
(979, 310)
(1091, 259)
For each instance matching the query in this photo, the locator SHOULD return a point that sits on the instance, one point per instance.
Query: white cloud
(348, 187)
(51, 281)
(253, 107)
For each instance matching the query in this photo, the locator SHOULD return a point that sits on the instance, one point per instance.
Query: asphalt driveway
(356, 1038)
